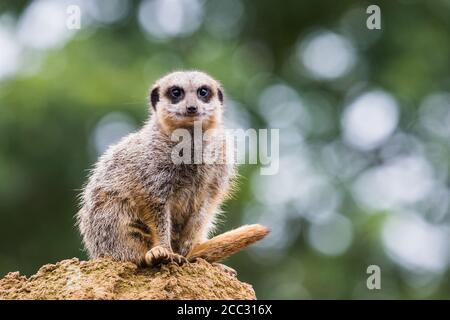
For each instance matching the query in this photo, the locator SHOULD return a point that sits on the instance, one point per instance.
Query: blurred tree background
(364, 119)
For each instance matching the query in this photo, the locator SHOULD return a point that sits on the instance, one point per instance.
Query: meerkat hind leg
(161, 255)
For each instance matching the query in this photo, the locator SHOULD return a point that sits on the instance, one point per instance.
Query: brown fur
(228, 243)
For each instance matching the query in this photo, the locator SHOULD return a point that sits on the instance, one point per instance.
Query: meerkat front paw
(161, 255)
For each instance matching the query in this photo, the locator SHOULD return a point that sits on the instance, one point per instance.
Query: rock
(108, 279)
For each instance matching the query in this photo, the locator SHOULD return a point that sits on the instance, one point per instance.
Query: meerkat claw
(160, 255)
(178, 259)
(157, 255)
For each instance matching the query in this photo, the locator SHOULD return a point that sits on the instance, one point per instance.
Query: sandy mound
(108, 279)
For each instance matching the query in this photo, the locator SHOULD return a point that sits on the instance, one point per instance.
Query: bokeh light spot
(416, 244)
(163, 19)
(399, 182)
(369, 120)
(43, 25)
(110, 129)
(331, 237)
(326, 55)
(435, 114)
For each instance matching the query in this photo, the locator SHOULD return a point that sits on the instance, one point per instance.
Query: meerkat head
(181, 98)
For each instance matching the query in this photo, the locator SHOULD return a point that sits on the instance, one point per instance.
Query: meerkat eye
(203, 92)
(176, 92)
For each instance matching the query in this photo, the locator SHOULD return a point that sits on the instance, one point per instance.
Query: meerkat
(140, 206)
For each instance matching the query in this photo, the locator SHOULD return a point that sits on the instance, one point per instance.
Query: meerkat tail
(228, 243)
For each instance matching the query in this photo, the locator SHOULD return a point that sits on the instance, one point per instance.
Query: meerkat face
(182, 98)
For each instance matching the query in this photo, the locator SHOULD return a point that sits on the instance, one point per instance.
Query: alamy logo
(73, 20)
(374, 20)
(229, 146)
(374, 280)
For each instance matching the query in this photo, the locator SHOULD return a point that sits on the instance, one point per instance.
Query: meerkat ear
(220, 95)
(154, 97)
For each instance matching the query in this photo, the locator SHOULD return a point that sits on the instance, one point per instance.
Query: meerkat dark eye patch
(175, 94)
(204, 93)
(220, 95)
(154, 97)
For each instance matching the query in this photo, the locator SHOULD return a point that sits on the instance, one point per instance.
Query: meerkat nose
(191, 109)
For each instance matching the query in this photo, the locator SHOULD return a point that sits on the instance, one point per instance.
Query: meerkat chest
(195, 185)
